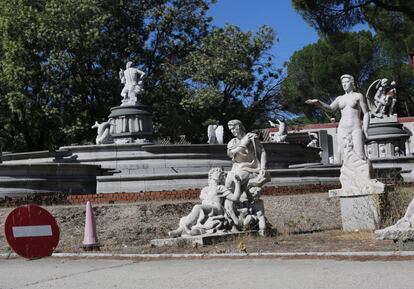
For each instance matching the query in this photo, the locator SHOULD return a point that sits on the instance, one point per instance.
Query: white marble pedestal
(359, 212)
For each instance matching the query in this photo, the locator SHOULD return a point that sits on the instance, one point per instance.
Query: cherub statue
(381, 96)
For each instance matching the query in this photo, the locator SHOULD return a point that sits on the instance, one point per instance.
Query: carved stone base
(132, 124)
(386, 138)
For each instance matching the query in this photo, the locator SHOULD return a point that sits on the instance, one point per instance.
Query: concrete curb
(230, 255)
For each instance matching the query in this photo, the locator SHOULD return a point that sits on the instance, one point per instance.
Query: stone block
(360, 212)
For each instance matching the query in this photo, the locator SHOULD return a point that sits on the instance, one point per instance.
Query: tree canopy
(59, 63)
(231, 76)
(314, 71)
(330, 16)
(385, 53)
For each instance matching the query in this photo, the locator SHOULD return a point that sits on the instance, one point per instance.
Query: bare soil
(299, 224)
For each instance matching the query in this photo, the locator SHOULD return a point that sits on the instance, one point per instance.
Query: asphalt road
(208, 274)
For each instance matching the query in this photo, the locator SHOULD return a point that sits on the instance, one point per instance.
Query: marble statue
(314, 143)
(247, 154)
(355, 175)
(402, 230)
(381, 96)
(231, 203)
(103, 132)
(408, 220)
(359, 208)
(356, 169)
(209, 216)
(281, 135)
(215, 134)
(132, 78)
(351, 104)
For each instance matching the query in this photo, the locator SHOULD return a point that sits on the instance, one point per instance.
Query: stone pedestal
(386, 138)
(359, 212)
(131, 123)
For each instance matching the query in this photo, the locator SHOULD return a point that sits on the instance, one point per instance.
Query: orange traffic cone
(90, 240)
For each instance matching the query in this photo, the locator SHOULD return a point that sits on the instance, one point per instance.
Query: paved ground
(209, 273)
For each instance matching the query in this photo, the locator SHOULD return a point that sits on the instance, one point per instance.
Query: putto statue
(382, 96)
(232, 203)
(132, 78)
(281, 135)
(103, 132)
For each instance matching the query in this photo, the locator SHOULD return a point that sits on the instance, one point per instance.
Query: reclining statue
(209, 216)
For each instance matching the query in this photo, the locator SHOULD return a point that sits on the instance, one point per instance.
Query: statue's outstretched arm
(328, 107)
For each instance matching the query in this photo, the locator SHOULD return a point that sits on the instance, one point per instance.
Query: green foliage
(59, 63)
(314, 71)
(231, 75)
(330, 16)
(392, 21)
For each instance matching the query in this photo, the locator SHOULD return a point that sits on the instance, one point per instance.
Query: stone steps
(180, 181)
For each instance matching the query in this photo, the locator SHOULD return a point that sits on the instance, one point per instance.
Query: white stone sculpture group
(231, 203)
(131, 77)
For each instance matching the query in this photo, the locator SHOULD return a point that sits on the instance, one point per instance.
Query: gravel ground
(299, 223)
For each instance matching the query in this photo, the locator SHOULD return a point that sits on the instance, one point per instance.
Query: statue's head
(236, 127)
(255, 192)
(348, 82)
(216, 174)
(129, 64)
(384, 82)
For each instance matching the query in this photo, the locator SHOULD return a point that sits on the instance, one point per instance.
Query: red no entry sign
(31, 232)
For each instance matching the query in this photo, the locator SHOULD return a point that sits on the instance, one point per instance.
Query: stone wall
(115, 198)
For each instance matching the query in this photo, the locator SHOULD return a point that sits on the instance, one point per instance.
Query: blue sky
(291, 30)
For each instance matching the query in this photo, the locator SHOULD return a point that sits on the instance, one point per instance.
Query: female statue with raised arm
(351, 104)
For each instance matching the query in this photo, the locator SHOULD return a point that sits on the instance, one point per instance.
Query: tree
(393, 24)
(330, 16)
(231, 75)
(314, 71)
(176, 29)
(60, 60)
